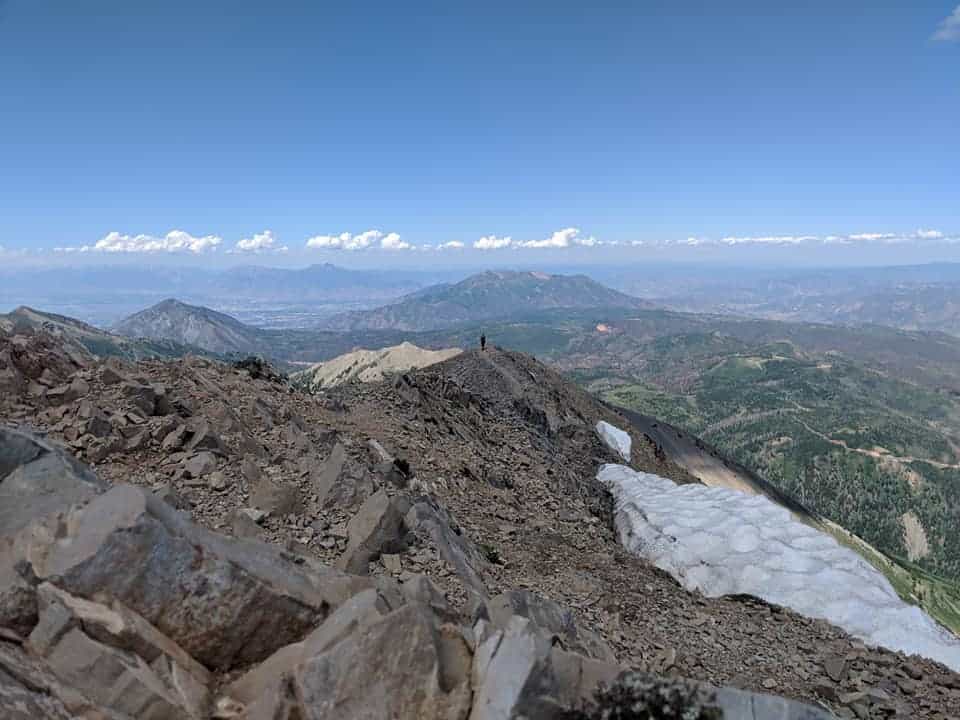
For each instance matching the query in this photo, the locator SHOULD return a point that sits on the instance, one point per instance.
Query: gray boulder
(118, 659)
(376, 528)
(411, 669)
(340, 482)
(431, 523)
(37, 478)
(226, 602)
(550, 619)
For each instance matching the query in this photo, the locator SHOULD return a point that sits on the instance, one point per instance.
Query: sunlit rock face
(723, 542)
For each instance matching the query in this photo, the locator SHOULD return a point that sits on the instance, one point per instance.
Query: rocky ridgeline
(431, 547)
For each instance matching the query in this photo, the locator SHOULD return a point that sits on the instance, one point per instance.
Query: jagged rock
(116, 679)
(139, 441)
(224, 601)
(339, 482)
(393, 470)
(200, 436)
(250, 470)
(116, 658)
(224, 419)
(200, 465)
(836, 668)
(550, 619)
(294, 436)
(100, 450)
(429, 520)
(110, 375)
(29, 691)
(18, 602)
(218, 481)
(512, 675)
(38, 478)
(412, 669)
(276, 499)
(142, 397)
(265, 679)
(577, 677)
(175, 439)
(68, 393)
(420, 589)
(376, 528)
(243, 525)
(94, 421)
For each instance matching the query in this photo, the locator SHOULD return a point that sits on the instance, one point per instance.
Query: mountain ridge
(487, 461)
(483, 297)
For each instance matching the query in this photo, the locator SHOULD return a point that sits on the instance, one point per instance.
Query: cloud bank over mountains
(266, 242)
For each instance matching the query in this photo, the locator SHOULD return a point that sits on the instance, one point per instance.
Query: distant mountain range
(482, 297)
(920, 297)
(104, 294)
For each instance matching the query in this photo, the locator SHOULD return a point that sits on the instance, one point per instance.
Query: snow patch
(722, 542)
(615, 438)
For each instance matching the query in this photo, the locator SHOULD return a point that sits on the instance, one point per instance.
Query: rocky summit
(194, 539)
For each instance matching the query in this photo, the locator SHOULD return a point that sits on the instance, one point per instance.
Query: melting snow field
(615, 438)
(724, 542)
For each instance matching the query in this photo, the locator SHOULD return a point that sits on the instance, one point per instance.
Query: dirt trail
(902, 459)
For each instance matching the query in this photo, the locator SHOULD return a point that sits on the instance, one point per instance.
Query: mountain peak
(486, 296)
(196, 325)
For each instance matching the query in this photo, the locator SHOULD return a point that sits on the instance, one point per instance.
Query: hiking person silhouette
(483, 342)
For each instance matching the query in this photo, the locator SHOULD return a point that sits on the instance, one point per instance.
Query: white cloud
(872, 237)
(363, 241)
(492, 242)
(175, 241)
(885, 238)
(451, 245)
(949, 29)
(769, 240)
(562, 239)
(260, 243)
(392, 241)
(568, 237)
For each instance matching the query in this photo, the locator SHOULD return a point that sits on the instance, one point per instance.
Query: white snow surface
(723, 542)
(615, 438)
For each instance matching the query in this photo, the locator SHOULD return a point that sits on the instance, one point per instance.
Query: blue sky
(814, 131)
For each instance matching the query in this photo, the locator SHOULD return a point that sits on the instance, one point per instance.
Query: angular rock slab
(402, 666)
(29, 691)
(226, 602)
(113, 635)
(550, 619)
(376, 528)
(265, 691)
(428, 519)
(38, 477)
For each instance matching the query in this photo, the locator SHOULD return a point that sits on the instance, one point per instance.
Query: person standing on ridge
(483, 342)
